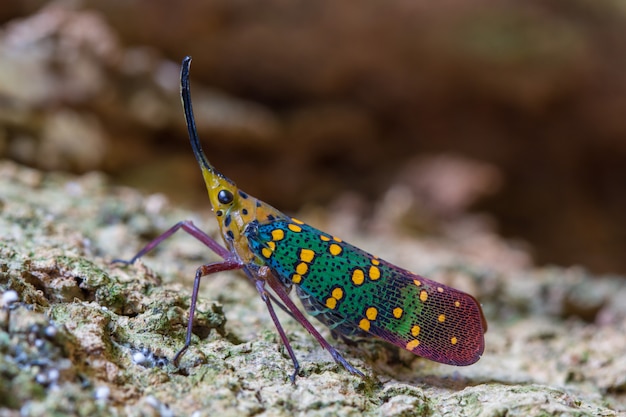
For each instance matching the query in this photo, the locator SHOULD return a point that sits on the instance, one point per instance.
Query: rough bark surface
(86, 337)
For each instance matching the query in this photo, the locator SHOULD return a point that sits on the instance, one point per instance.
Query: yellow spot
(302, 268)
(412, 344)
(415, 330)
(306, 255)
(439, 289)
(324, 238)
(453, 340)
(277, 234)
(267, 252)
(336, 239)
(423, 296)
(334, 249)
(397, 312)
(296, 278)
(331, 303)
(374, 273)
(294, 228)
(441, 318)
(271, 245)
(297, 221)
(337, 293)
(358, 277)
(417, 282)
(371, 313)
(375, 261)
(364, 324)
(457, 304)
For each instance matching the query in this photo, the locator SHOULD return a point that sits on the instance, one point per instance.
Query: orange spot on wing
(374, 273)
(364, 324)
(412, 344)
(278, 234)
(294, 228)
(337, 293)
(302, 268)
(334, 249)
(307, 255)
(358, 277)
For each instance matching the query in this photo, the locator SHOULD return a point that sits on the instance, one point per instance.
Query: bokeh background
(504, 115)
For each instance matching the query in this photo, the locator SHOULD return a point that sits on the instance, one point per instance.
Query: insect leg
(189, 227)
(230, 262)
(200, 272)
(281, 305)
(265, 296)
(297, 314)
(336, 335)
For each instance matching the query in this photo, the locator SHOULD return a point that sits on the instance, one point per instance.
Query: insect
(349, 290)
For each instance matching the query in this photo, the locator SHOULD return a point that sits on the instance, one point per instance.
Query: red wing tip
(461, 357)
(466, 362)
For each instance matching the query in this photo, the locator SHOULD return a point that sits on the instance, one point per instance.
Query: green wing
(353, 291)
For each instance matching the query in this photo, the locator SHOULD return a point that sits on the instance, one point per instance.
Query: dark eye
(225, 197)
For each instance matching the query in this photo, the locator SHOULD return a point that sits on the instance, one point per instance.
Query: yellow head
(233, 208)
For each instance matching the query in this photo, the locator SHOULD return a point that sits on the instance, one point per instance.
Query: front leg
(200, 272)
(266, 297)
(230, 262)
(189, 227)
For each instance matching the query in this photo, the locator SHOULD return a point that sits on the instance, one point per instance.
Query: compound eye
(225, 197)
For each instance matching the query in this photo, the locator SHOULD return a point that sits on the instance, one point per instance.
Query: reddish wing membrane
(442, 324)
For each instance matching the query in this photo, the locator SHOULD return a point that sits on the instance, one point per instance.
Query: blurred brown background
(516, 109)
